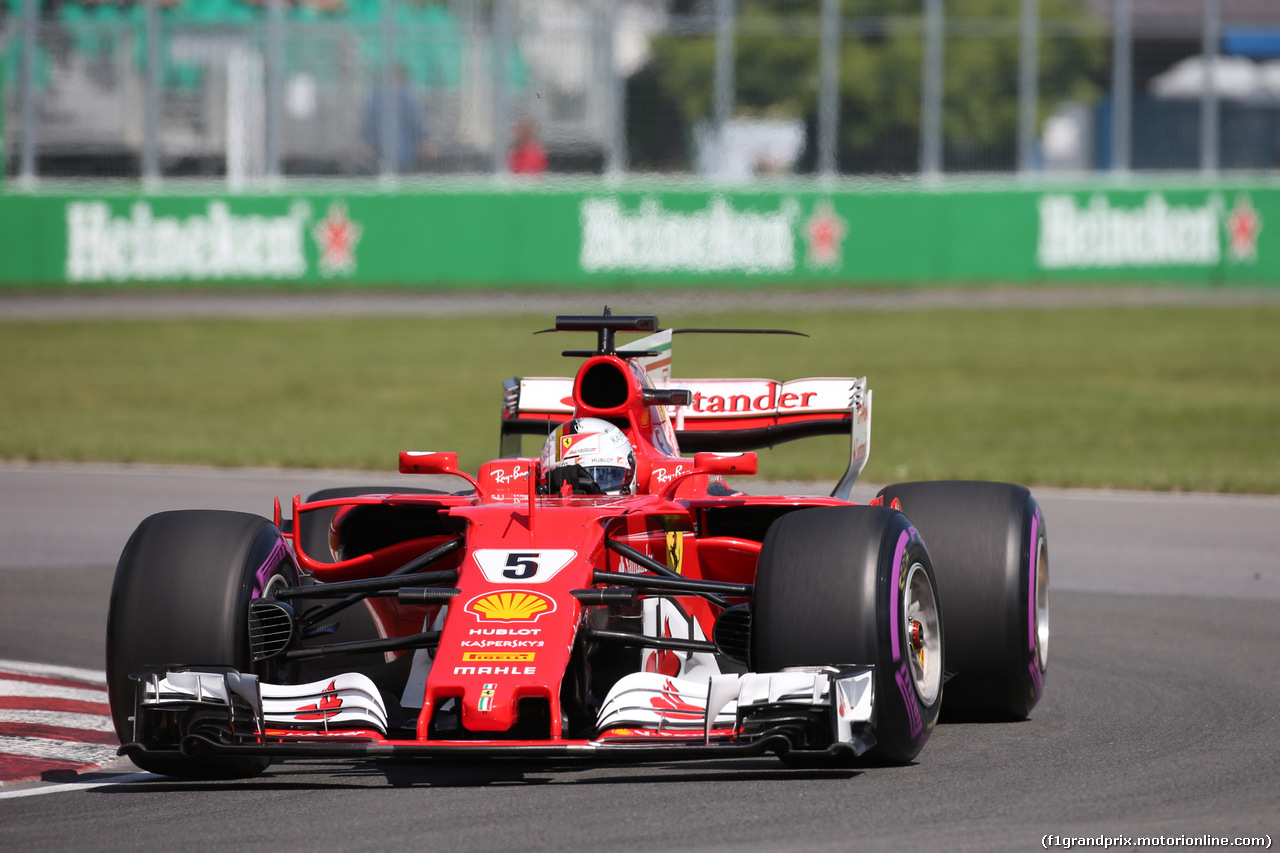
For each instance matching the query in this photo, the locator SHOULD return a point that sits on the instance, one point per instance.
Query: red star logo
(337, 236)
(1243, 227)
(824, 231)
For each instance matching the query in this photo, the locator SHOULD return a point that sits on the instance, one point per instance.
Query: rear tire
(834, 585)
(990, 552)
(181, 596)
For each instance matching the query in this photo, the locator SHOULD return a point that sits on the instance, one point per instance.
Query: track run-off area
(1158, 719)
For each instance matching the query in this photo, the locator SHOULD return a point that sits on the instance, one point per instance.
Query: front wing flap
(819, 707)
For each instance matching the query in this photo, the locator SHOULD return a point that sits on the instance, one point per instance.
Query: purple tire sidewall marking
(1037, 678)
(902, 676)
(906, 687)
(1031, 581)
(263, 574)
(906, 536)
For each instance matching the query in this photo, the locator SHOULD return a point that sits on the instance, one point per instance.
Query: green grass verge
(1150, 397)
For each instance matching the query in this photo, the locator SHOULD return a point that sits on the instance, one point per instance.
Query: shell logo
(515, 605)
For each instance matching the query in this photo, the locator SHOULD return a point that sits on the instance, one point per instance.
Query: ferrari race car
(610, 599)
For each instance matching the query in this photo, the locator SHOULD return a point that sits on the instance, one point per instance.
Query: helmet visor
(609, 478)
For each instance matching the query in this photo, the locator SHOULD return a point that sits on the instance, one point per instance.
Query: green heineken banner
(588, 232)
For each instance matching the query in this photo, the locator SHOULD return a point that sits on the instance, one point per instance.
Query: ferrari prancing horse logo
(675, 549)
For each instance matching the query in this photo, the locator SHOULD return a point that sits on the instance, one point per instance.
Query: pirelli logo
(498, 657)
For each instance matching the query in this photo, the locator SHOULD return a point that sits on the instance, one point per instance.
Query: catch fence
(722, 89)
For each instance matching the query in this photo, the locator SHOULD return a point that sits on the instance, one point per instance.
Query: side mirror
(725, 463)
(714, 463)
(427, 462)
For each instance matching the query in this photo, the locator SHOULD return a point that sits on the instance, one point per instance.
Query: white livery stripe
(90, 722)
(51, 691)
(57, 750)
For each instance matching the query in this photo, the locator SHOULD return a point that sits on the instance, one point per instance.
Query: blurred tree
(776, 75)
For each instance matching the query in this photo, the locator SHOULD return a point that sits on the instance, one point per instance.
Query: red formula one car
(611, 599)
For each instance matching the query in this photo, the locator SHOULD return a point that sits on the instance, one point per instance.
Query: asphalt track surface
(1159, 716)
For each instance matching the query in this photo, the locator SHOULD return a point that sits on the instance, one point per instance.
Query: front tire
(855, 585)
(181, 596)
(990, 549)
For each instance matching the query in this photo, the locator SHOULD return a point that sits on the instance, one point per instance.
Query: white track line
(78, 786)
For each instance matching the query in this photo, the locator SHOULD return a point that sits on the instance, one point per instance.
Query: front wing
(646, 716)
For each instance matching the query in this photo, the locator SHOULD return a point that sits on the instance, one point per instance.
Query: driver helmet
(592, 456)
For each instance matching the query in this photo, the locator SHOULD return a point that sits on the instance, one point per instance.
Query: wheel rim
(1042, 603)
(274, 583)
(923, 634)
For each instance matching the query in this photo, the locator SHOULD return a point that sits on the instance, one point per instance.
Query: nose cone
(510, 632)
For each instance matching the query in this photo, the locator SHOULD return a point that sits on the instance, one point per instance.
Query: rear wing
(725, 415)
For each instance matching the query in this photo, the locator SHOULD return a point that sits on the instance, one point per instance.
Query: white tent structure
(1234, 78)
